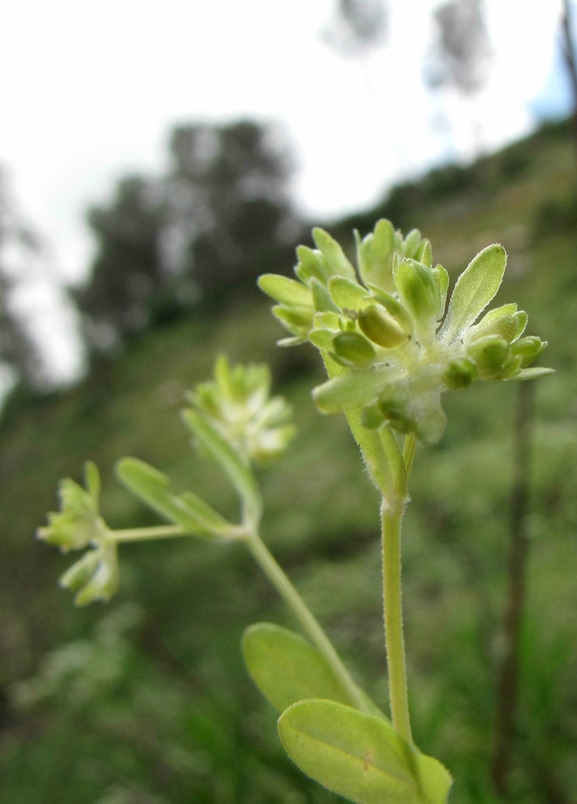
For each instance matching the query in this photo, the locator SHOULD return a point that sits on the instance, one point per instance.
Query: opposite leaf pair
(356, 754)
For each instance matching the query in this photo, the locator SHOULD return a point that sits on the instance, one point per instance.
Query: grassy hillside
(146, 699)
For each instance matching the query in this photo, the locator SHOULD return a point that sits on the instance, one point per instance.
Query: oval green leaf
(287, 668)
(188, 510)
(433, 779)
(358, 756)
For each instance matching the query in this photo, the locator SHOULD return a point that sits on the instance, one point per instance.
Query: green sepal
(505, 326)
(394, 307)
(351, 390)
(353, 348)
(532, 373)
(358, 756)
(95, 576)
(284, 290)
(80, 572)
(417, 290)
(413, 244)
(322, 299)
(489, 354)
(374, 254)
(395, 464)
(346, 294)
(425, 254)
(528, 349)
(441, 280)
(372, 416)
(475, 288)
(322, 338)
(511, 367)
(330, 321)
(378, 325)
(186, 510)
(228, 459)
(287, 668)
(333, 254)
(521, 318)
(297, 320)
(460, 374)
(297, 340)
(311, 264)
(497, 312)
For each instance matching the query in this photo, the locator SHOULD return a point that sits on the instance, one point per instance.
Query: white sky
(89, 90)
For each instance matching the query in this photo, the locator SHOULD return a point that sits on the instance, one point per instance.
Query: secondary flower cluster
(76, 526)
(234, 420)
(390, 343)
(238, 405)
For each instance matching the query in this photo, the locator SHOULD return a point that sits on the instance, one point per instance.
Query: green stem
(138, 534)
(391, 523)
(308, 621)
(409, 449)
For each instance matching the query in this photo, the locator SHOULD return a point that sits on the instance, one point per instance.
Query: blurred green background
(146, 700)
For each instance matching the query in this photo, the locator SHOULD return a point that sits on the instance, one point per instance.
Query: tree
(358, 25)
(127, 272)
(19, 354)
(229, 207)
(219, 218)
(460, 55)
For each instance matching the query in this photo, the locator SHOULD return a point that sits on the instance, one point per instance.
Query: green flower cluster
(391, 344)
(237, 404)
(78, 525)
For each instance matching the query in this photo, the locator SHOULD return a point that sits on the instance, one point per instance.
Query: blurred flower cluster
(78, 525)
(391, 344)
(238, 405)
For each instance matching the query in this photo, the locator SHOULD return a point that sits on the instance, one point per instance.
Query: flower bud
(490, 355)
(372, 416)
(80, 573)
(460, 373)
(528, 348)
(394, 402)
(94, 576)
(352, 349)
(417, 289)
(381, 327)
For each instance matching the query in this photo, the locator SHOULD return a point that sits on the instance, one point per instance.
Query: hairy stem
(308, 621)
(409, 449)
(391, 524)
(139, 534)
